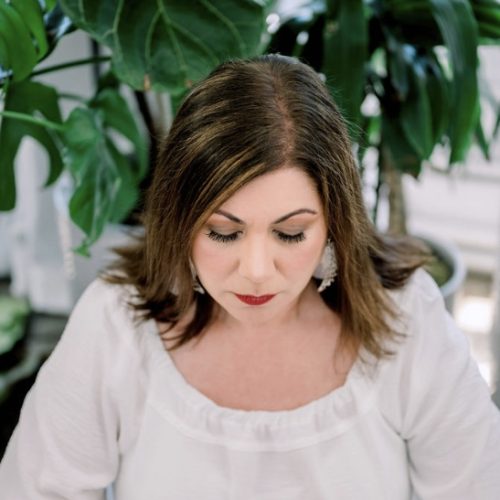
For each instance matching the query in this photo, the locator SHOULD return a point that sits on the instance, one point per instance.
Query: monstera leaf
(31, 99)
(154, 44)
(170, 44)
(23, 40)
(106, 178)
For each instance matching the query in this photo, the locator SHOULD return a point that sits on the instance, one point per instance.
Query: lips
(254, 300)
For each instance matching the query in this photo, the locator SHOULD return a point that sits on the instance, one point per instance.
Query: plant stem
(31, 119)
(71, 64)
(392, 177)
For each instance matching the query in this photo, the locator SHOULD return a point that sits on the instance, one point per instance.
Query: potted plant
(151, 48)
(415, 62)
(405, 75)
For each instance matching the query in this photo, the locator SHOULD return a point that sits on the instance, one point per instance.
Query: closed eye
(229, 238)
(290, 238)
(223, 238)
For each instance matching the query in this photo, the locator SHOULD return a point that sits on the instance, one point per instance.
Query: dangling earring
(327, 268)
(196, 282)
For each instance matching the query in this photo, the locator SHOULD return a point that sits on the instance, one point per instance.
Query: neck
(307, 308)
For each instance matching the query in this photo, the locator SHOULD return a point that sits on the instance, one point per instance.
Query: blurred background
(86, 90)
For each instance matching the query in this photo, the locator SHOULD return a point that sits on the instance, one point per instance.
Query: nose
(256, 260)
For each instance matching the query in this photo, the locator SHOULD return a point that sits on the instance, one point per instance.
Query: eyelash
(229, 238)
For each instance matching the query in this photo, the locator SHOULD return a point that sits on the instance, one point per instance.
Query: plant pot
(448, 256)
(495, 333)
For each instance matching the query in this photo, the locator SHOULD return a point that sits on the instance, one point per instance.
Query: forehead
(275, 193)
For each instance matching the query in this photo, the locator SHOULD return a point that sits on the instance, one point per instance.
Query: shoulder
(431, 345)
(106, 302)
(423, 320)
(99, 356)
(102, 295)
(420, 309)
(420, 288)
(102, 321)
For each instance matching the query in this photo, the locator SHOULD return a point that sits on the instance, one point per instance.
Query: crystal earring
(196, 282)
(327, 268)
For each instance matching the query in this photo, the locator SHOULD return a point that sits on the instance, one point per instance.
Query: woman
(261, 341)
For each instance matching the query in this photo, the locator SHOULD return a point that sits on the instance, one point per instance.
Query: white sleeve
(451, 426)
(65, 444)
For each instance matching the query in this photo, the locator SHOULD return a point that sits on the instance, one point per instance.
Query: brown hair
(247, 118)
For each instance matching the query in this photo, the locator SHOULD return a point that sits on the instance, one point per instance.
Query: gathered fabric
(110, 407)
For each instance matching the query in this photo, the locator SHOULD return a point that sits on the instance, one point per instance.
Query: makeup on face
(257, 252)
(225, 227)
(254, 300)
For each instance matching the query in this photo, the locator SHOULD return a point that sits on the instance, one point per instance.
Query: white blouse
(110, 407)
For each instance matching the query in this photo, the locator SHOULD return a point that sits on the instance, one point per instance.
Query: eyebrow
(277, 221)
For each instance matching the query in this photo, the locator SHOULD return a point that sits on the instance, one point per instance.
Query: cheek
(305, 261)
(304, 258)
(209, 258)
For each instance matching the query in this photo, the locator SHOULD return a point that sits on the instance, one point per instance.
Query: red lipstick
(254, 300)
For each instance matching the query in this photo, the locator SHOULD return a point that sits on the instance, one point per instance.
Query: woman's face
(256, 253)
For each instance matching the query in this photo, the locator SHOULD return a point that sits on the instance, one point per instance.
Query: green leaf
(482, 141)
(170, 44)
(438, 94)
(487, 15)
(416, 117)
(398, 66)
(17, 38)
(496, 128)
(105, 181)
(30, 98)
(94, 172)
(4, 55)
(118, 116)
(345, 52)
(371, 129)
(403, 154)
(31, 13)
(459, 31)
(13, 313)
(49, 4)
(177, 100)
(489, 34)
(413, 21)
(128, 193)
